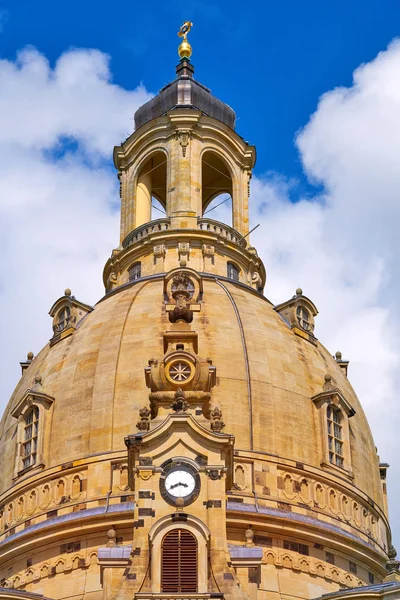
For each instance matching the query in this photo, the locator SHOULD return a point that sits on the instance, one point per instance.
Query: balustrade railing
(214, 227)
(223, 230)
(145, 230)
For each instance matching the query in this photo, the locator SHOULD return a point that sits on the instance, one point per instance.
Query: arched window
(179, 562)
(233, 271)
(303, 318)
(135, 272)
(335, 435)
(29, 445)
(63, 319)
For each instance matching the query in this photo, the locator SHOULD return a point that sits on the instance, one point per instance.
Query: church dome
(184, 435)
(96, 377)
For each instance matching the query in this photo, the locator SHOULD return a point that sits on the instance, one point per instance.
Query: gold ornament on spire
(185, 49)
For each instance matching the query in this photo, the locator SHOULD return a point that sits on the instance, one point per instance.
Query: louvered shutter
(179, 562)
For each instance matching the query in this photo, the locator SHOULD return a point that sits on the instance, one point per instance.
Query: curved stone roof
(96, 377)
(185, 92)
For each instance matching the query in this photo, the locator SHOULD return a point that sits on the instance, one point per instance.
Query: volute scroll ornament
(184, 136)
(183, 251)
(208, 250)
(159, 250)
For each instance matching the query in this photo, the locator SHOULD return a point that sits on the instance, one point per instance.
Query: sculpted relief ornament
(182, 380)
(181, 291)
(184, 136)
(144, 423)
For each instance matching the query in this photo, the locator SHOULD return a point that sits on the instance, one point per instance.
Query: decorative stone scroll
(184, 136)
(183, 252)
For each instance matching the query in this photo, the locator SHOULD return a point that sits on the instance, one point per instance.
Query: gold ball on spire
(185, 49)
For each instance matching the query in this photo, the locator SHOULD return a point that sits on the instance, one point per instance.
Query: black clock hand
(177, 484)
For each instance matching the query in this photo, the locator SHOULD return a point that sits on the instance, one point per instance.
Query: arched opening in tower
(157, 209)
(151, 189)
(216, 188)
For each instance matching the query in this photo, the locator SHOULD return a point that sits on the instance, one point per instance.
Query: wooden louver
(179, 562)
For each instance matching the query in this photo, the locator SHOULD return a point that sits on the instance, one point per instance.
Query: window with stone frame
(32, 412)
(335, 413)
(63, 319)
(30, 437)
(303, 318)
(335, 435)
(135, 272)
(233, 271)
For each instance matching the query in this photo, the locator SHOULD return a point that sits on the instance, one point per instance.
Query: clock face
(180, 483)
(179, 479)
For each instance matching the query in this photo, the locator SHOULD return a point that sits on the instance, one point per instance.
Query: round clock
(179, 480)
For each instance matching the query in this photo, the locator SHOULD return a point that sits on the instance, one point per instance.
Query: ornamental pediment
(31, 397)
(180, 434)
(332, 395)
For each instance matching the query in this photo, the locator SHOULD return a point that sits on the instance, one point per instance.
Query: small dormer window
(303, 318)
(135, 272)
(66, 313)
(299, 312)
(335, 435)
(233, 271)
(30, 443)
(63, 319)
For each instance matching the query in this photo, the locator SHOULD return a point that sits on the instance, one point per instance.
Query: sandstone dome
(97, 379)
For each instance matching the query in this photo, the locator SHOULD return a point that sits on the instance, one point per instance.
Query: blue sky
(315, 86)
(269, 60)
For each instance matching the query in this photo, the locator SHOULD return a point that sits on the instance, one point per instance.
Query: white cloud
(58, 193)
(342, 247)
(39, 106)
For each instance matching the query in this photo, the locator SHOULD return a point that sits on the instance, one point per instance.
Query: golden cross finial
(185, 49)
(184, 30)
